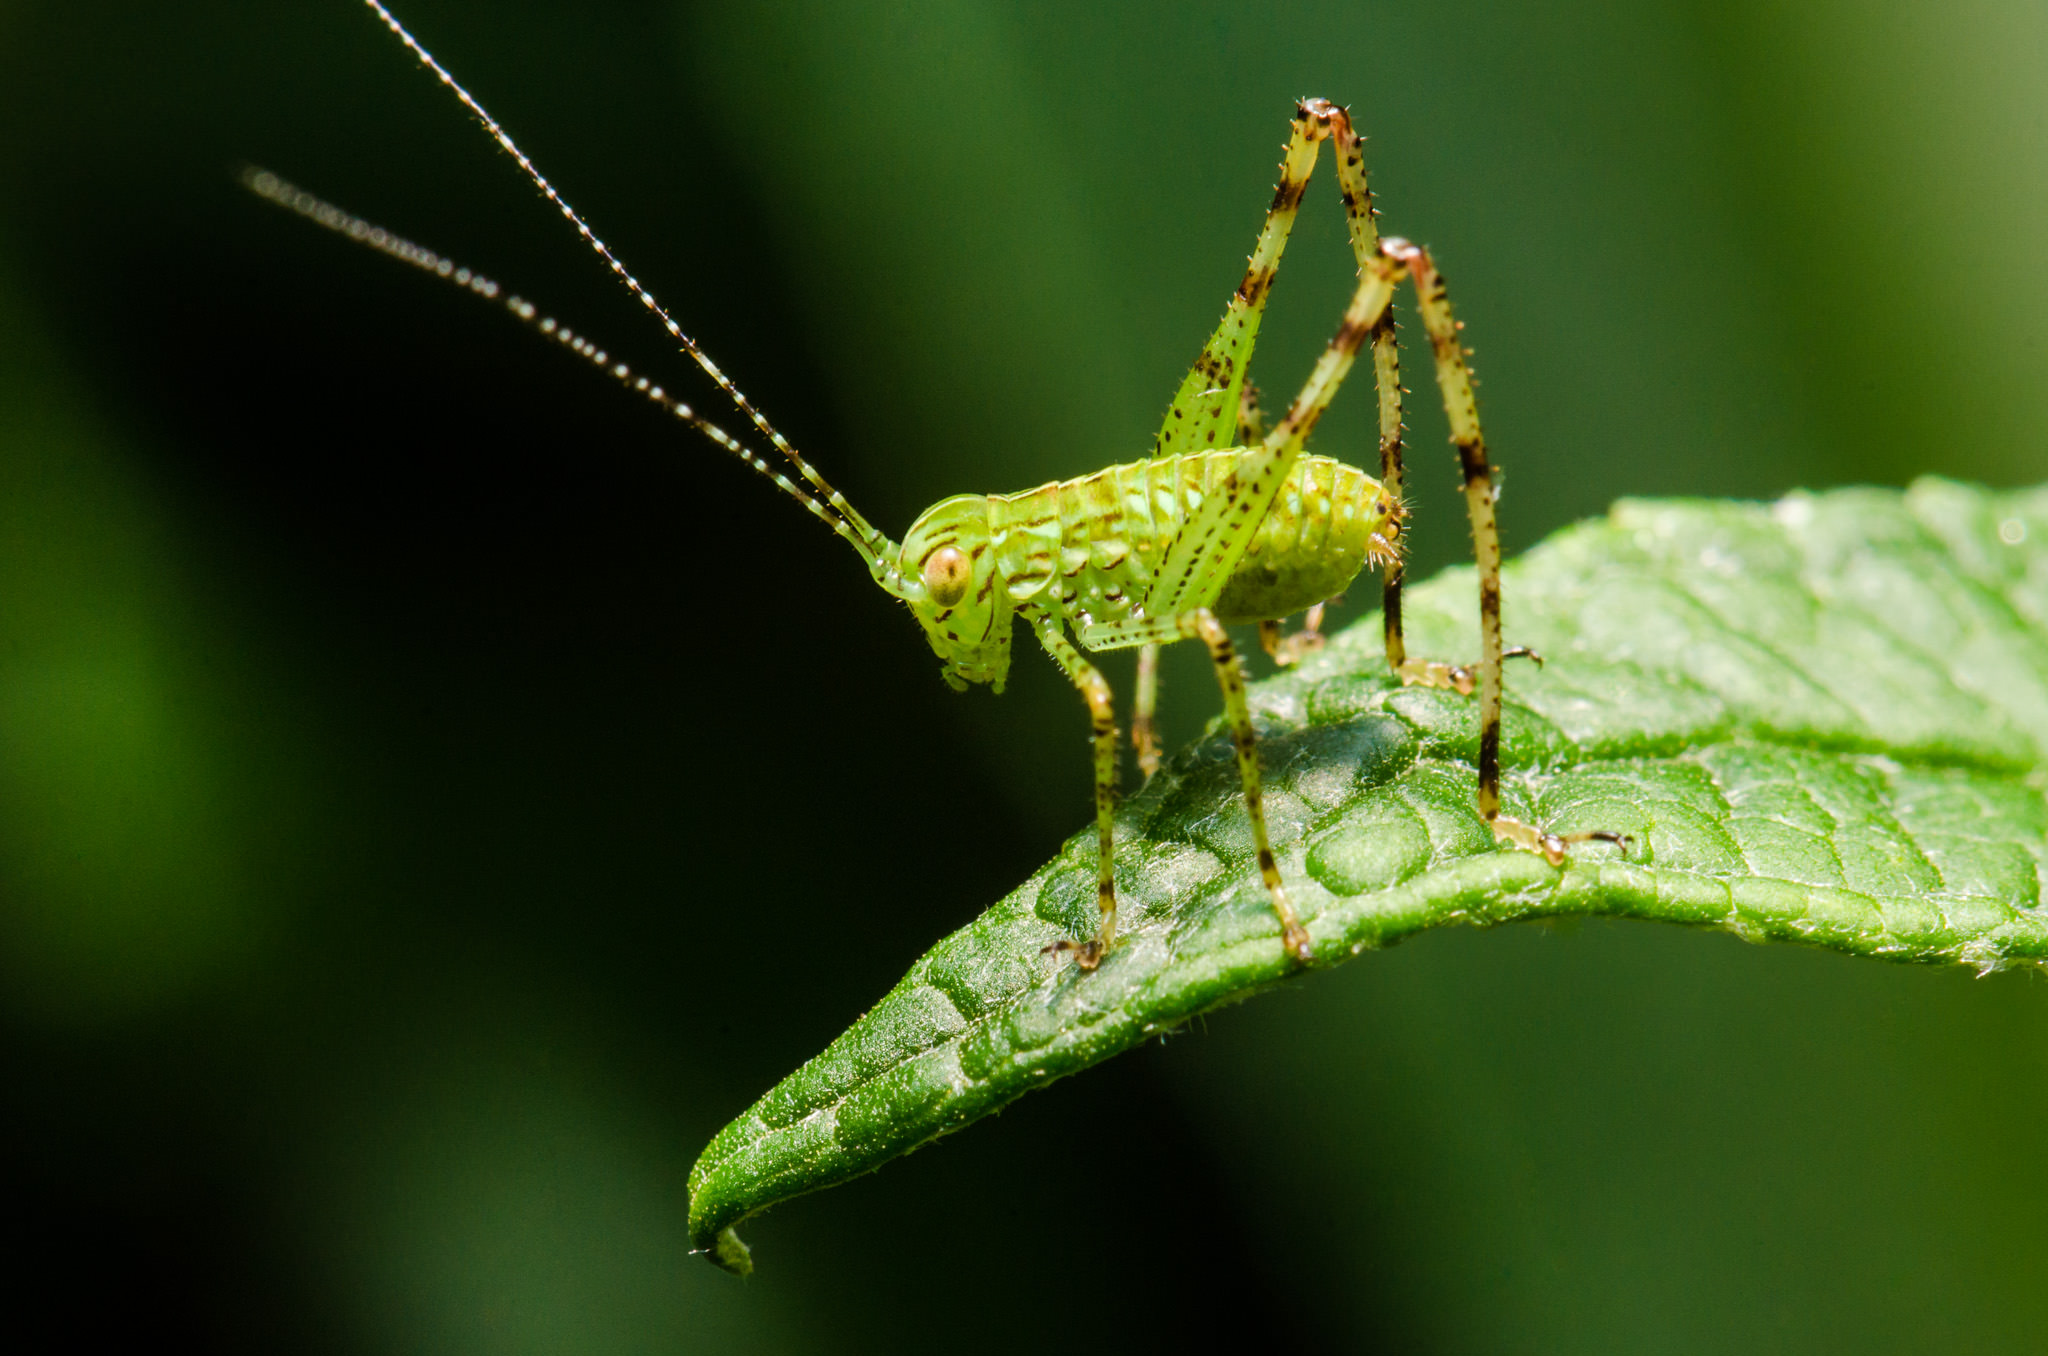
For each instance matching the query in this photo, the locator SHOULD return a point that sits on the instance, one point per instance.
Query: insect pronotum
(1226, 521)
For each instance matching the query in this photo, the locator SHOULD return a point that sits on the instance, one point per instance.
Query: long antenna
(877, 546)
(292, 198)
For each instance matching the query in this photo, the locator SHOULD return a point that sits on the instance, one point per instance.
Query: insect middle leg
(1144, 728)
(1201, 624)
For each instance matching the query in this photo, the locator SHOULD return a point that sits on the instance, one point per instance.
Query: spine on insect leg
(1386, 367)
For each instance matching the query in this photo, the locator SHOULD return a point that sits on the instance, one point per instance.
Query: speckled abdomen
(1326, 526)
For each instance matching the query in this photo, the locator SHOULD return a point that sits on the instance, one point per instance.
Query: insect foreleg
(1201, 623)
(1102, 715)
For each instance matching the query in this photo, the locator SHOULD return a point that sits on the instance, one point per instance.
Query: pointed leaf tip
(1823, 720)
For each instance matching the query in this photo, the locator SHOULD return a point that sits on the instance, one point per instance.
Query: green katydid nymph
(1226, 521)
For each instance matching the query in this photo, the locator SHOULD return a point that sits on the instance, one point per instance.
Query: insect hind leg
(1555, 846)
(1211, 403)
(1454, 383)
(1347, 148)
(1459, 678)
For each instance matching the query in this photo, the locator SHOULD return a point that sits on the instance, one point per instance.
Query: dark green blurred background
(434, 797)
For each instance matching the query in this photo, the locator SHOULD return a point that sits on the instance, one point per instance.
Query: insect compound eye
(946, 575)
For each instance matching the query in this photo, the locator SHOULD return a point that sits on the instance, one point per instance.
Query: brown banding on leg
(1094, 689)
(1201, 623)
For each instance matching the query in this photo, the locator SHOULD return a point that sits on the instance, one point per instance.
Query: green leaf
(1823, 720)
